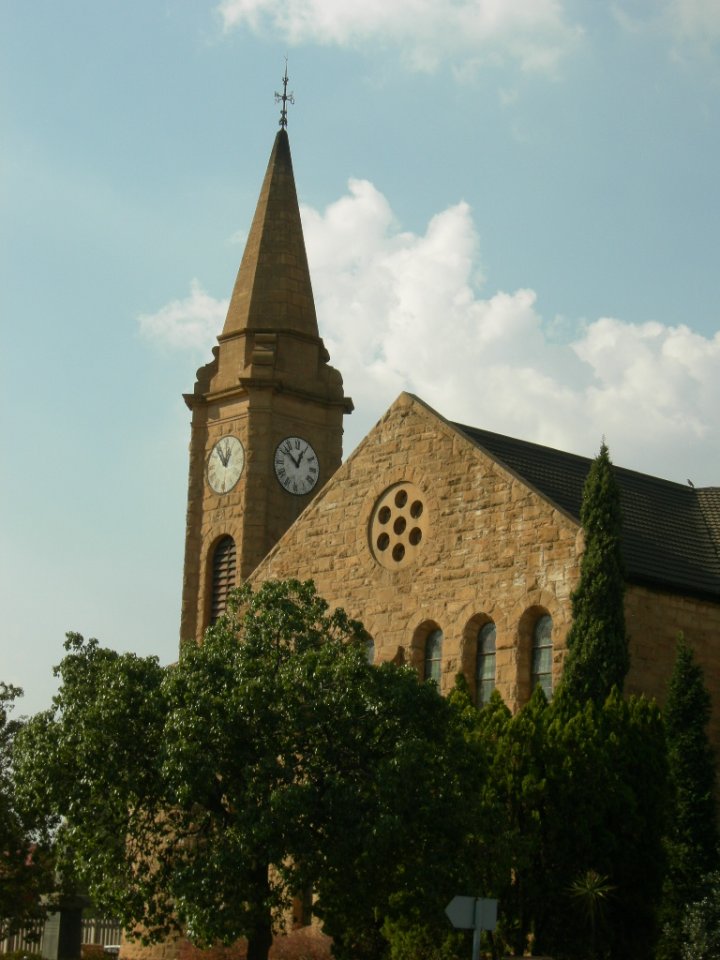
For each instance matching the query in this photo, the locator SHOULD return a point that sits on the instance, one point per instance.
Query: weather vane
(285, 98)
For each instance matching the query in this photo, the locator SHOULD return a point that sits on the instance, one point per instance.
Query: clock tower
(267, 410)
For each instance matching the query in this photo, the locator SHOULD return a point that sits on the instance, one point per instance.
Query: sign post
(472, 913)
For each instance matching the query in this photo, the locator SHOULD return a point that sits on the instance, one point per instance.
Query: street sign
(486, 914)
(461, 913)
(472, 913)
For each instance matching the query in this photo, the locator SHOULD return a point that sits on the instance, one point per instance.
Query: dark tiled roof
(671, 532)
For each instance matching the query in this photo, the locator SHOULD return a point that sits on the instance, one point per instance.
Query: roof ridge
(578, 456)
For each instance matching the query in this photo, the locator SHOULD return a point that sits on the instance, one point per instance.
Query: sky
(511, 208)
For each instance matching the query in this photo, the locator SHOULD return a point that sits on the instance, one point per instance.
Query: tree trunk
(260, 940)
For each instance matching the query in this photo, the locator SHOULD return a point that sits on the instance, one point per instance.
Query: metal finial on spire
(285, 98)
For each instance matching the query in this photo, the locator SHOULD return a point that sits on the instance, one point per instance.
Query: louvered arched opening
(223, 576)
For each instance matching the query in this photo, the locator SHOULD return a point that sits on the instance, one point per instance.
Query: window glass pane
(485, 677)
(543, 631)
(542, 660)
(486, 638)
(542, 655)
(433, 656)
(370, 650)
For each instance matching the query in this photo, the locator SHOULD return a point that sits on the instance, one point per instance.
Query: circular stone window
(398, 525)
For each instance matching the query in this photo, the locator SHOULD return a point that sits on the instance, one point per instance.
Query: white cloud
(694, 19)
(190, 323)
(403, 311)
(533, 35)
(656, 386)
(693, 22)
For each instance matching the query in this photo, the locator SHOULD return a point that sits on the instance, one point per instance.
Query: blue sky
(511, 208)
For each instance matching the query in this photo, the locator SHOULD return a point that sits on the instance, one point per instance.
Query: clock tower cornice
(248, 384)
(273, 331)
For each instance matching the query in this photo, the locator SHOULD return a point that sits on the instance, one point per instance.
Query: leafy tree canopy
(692, 765)
(271, 757)
(583, 795)
(692, 832)
(700, 928)
(25, 868)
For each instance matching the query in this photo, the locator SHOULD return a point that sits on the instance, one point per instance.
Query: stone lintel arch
(416, 653)
(474, 622)
(419, 635)
(524, 615)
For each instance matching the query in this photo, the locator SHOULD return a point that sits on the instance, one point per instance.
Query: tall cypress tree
(692, 835)
(692, 762)
(597, 657)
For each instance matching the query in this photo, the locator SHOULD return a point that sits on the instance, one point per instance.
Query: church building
(457, 548)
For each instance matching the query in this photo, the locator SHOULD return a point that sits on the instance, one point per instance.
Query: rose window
(398, 525)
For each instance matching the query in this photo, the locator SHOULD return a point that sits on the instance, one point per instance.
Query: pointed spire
(273, 290)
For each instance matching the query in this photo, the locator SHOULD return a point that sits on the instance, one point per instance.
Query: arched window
(370, 650)
(542, 645)
(433, 655)
(223, 576)
(485, 677)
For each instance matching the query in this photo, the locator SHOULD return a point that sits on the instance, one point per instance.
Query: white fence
(94, 930)
(26, 940)
(101, 931)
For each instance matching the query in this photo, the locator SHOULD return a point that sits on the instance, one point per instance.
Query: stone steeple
(273, 289)
(266, 411)
(272, 304)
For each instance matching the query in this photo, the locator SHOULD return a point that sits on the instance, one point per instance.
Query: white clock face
(225, 464)
(296, 465)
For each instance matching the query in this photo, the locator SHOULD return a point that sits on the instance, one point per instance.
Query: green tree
(583, 788)
(272, 756)
(701, 925)
(92, 766)
(634, 804)
(597, 649)
(692, 834)
(25, 864)
(518, 784)
(464, 849)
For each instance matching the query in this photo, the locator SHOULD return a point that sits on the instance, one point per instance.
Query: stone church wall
(654, 620)
(492, 549)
